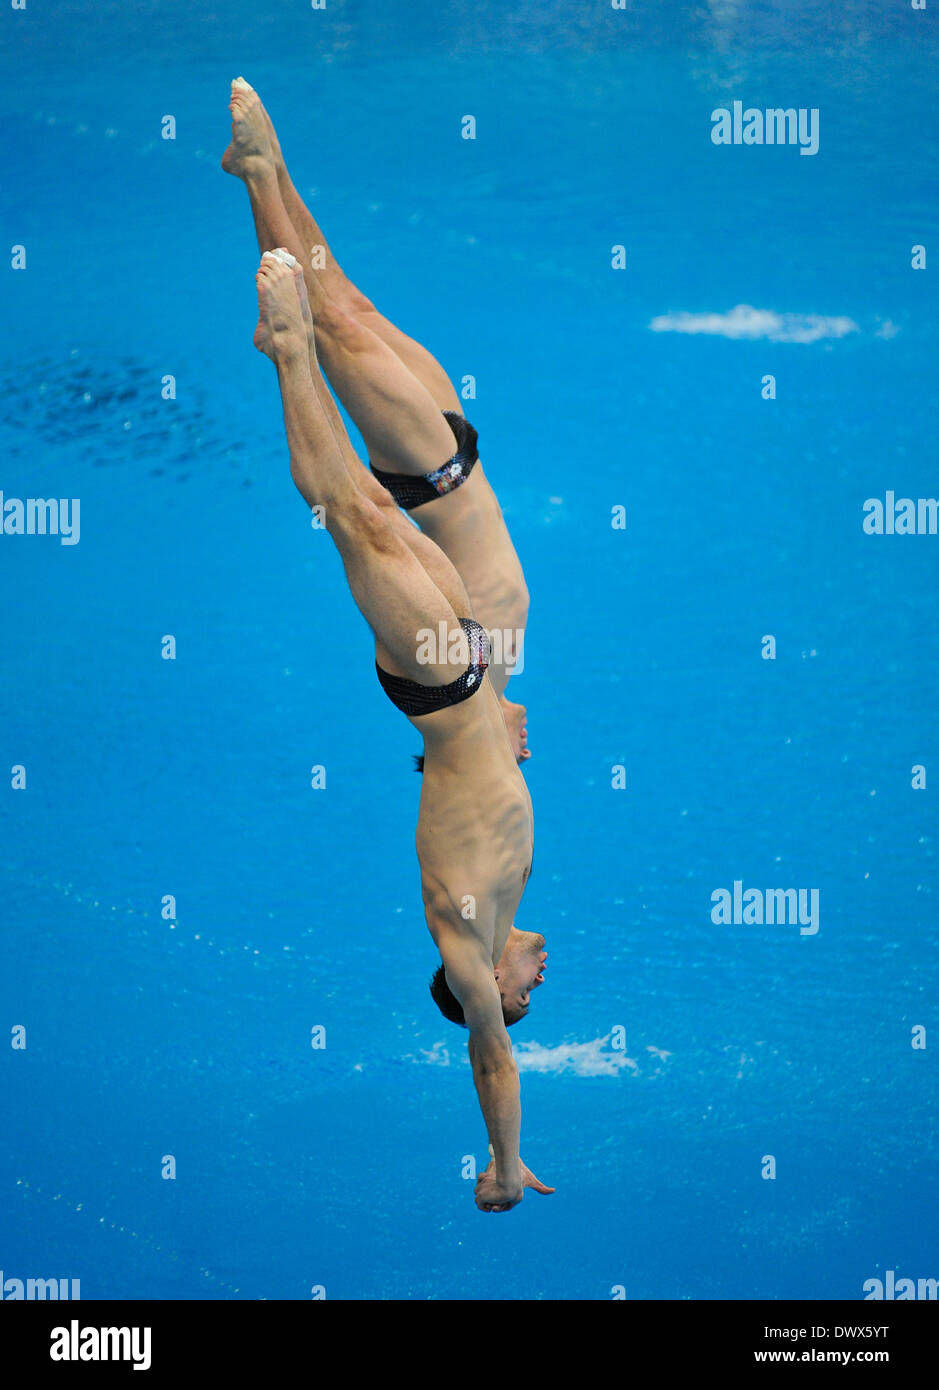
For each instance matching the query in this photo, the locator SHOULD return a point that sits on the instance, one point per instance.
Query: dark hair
(450, 1006)
(445, 999)
(418, 762)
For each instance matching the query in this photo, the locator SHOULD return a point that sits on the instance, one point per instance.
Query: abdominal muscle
(474, 828)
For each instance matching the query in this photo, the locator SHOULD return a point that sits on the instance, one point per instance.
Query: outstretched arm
(495, 1076)
(470, 977)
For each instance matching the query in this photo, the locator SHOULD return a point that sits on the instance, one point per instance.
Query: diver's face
(520, 971)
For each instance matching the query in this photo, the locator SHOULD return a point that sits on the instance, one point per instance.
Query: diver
(475, 825)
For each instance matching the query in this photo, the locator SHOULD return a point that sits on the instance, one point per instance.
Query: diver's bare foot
(250, 149)
(516, 727)
(277, 154)
(281, 331)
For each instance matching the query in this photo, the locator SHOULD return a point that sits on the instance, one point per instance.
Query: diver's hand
(493, 1193)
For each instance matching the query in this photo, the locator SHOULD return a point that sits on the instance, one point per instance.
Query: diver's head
(520, 970)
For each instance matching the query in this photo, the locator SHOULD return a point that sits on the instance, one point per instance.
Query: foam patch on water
(592, 1058)
(746, 322)
(437, 1056)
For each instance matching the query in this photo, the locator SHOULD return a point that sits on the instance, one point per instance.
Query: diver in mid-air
(457, 576)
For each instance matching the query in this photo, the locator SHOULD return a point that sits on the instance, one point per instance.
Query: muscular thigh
(415, 357)
(424, 548)
(469, 528)
(436, 563)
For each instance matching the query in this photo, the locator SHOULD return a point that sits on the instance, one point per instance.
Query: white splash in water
(593, 1058)
(746, 322)
(582, 1059)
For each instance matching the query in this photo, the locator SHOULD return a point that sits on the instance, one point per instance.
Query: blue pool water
(341, 1167)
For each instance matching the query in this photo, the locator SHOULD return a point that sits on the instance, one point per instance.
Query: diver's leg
(434, 560)
(467, 526)
(248, 157)
(348, 296)
(392, 589)
(395, 414)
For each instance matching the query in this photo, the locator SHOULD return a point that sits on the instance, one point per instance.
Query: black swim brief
(415, 699)
(410, 491)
